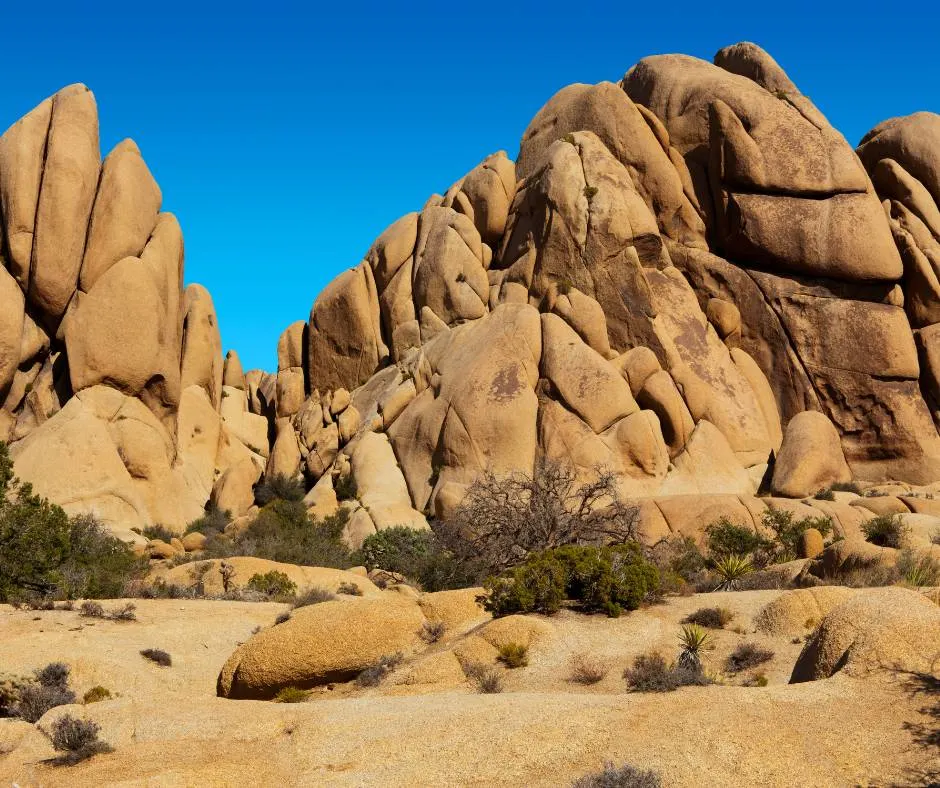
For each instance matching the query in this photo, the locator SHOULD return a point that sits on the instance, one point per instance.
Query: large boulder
(331, 641)
(877, 629)
(810, 457)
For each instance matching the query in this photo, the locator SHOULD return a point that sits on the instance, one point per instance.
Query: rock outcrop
(688, 277)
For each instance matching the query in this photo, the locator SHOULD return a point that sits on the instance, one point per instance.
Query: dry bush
(747, 656)
(504, 519)
(487, 679)
(76, 739)
(376, 674)
(711, 617)
(313, 596)
(651, 673)
(585, 669)
(291, 695)
(157, 655)
(625, 776)
(432, 631)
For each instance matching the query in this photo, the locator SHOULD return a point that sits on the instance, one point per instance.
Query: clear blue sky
(286, 136)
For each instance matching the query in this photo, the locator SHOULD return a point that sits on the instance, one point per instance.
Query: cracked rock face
(677, 267)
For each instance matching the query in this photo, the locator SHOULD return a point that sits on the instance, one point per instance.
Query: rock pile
(689, 277)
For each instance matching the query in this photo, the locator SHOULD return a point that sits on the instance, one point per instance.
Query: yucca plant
(731, 568)
(694, 640)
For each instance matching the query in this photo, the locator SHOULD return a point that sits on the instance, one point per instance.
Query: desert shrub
(36, 699)
(159, 656)
(694, 640)
(213, 522)
(345, 487)
(291, 695)
(597, 579)
(274, 584)
(885, 530)
(418, 555)
(487, 679)
(584, 669)
(126, 613)
(431, 631)
(787, 530)
(682, 566)
(825, 495)
(758, 680)
(55, 674)
(731, 569)
(284, 532)
(513, 655)
(651, 673)
(935, 537)
(158, 531)
(376, 674)
(625, 776)
(313, 596)
(45, 553)
(747, 656)
(96, 695)
(918, 571)
(503, 520)
(77, 739)
(279, 487)
(723, 538)
(711, 617)
(350, 589)
(92, 609)
(282, 618)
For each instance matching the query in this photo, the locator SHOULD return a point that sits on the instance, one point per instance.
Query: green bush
(44, 553)
(514, 655)
(279, 488)
(213, 522)
(651, 673)
(157, 531)
(291, 695)
(346, 488)
(885, 530)
(284, 532)
(787, 531)
(274, 584)
(419, 556)
(597, 579)
(726, 538)
(96, 694)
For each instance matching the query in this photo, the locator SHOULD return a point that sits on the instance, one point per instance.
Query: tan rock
(157, 548)
(392, 249)
(636, 365)
(606, 111)
(660, 395)
(234, 490)
(588, 383)
(291, 346)
(881, 504)
(724, 316)
(340, 401)
(194, 542)
(321, 500)
(285, 454)
(810, 457)
(707, 464)
(878, 629)
(332, 641)
(232, 374)
(290, 391)
(348, 423)
(323, 450)
(488, 190)
(202, 345)
(345, 340)
(11, 329)
(112, 333)
(22, 155)
(124, 213)
(69, 180)
(799, 611)
(811, 543)
(381, 486)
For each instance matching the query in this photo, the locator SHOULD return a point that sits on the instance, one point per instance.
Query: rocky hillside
(689, 277)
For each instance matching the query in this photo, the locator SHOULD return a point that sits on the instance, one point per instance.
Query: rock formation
(682, 277)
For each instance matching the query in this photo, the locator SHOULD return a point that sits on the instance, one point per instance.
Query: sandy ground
(169, 728)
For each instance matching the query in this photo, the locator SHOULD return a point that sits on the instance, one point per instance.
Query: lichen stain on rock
(506, 384)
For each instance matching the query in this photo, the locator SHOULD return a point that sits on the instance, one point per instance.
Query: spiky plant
(694, 640)
(731, 569)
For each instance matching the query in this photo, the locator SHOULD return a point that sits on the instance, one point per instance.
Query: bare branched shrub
(376, 674)
(503, 519)
(585, 669)
(487, 679)
(625, 776)
(76, 739)
(431, 631)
